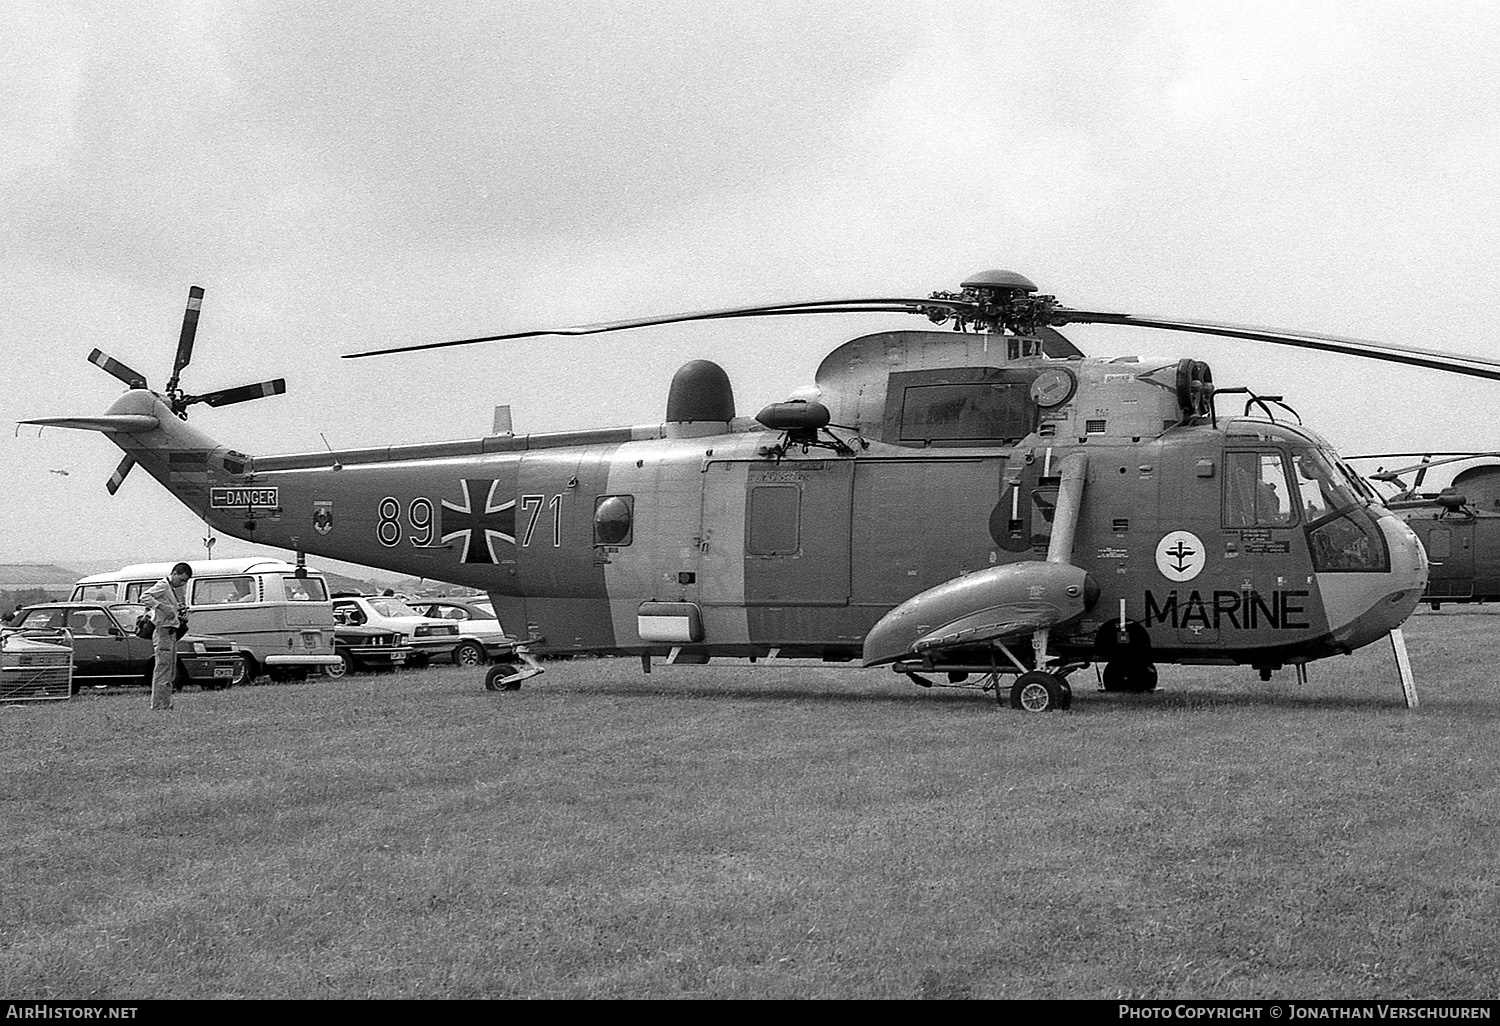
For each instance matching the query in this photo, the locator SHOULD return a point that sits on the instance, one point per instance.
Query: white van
(278, 616)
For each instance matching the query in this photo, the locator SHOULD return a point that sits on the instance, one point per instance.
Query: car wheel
(343, 668)
(244, 671)
(468, 653)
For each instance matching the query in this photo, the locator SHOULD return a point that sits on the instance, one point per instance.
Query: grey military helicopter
(958, 505)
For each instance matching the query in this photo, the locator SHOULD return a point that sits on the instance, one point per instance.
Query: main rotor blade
(133, 378)
(189, 332)
(889, 305)
(118, 477)
(242, 394)
(1434, 359)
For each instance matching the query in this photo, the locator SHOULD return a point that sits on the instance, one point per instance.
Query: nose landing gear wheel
(1038, 691)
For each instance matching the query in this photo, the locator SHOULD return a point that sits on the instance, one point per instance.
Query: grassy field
(791, 831)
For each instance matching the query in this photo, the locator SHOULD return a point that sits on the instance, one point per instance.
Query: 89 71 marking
(418, 514)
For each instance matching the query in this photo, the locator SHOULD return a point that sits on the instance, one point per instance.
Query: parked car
(476, 620)
(106, 650)
(430, 639)
(367, 648)
(276, 614)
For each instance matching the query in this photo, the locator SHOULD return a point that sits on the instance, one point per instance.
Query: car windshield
(387, 606)
(127, 612)
(35, 619)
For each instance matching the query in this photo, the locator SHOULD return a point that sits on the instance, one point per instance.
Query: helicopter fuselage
(1189, 538)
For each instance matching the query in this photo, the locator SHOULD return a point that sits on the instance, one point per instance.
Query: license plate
(223, 671)
(311, 640)
(398, 657)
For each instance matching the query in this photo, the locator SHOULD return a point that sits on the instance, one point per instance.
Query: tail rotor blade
(244, 393)
(133, 378)
(118, 477)
(189, 332)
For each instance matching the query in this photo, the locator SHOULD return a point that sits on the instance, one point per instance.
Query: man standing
(167, 601)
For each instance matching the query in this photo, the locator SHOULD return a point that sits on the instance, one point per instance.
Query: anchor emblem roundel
(1180, 556)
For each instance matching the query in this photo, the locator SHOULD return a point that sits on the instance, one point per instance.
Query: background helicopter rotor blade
(132, 378)
(1422, 467)
(1434, 359)
(118, 477)
(888, 305)
(1421, 475)
(242, 394)
(189, 332)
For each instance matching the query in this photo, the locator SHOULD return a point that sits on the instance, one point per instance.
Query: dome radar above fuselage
(701, 395)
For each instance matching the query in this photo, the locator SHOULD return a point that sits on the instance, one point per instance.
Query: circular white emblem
(1180, 556)
(1052, 387)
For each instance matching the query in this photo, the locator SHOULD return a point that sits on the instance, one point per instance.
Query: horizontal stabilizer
(123, 423)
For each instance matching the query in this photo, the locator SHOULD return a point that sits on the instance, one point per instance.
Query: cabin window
(1439, 544)
(979, 411)
(220, 591)
(135, 589)
(304, 589)
(614, 519)
(774, 520)
(1256, 493)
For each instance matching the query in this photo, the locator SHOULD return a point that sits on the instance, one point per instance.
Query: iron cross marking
(475, 521)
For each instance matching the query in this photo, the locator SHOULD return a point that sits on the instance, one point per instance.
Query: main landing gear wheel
(1135, 678)
(494, 679)
(1038, 691)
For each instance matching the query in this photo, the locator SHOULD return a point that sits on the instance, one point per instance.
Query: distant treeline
(13, 600)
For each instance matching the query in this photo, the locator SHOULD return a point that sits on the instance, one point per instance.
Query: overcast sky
(345, 176)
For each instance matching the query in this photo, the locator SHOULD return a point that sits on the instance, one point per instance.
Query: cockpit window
(1256, 490)
(1323, 490)
(1352, 542)
(1361, 487)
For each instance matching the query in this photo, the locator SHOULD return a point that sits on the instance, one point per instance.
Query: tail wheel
(494, 680)
(468, 653)
(1037, 691)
